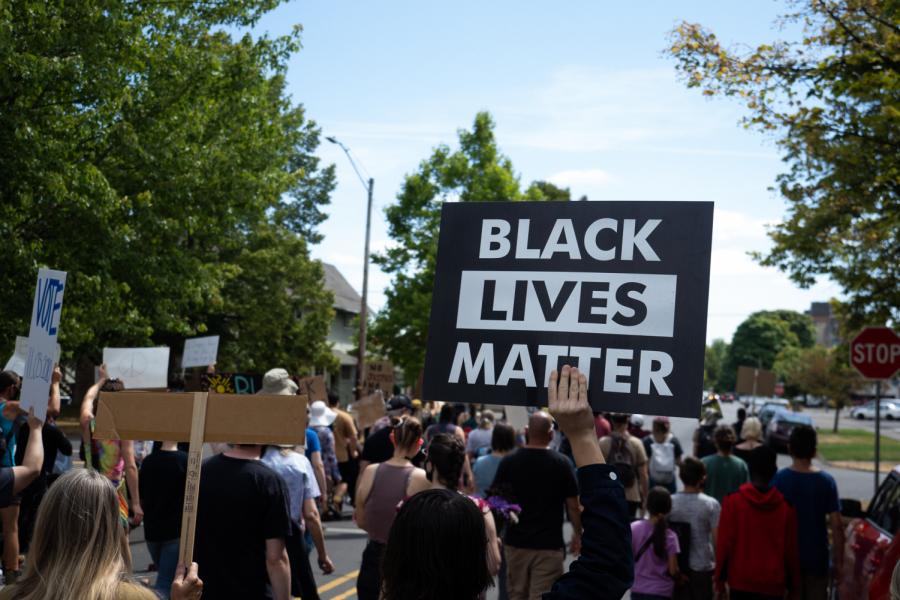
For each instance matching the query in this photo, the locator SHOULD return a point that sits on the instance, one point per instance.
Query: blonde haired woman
(77, 549)
(751, 432)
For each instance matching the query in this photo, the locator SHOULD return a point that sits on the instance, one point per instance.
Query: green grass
(856, 444)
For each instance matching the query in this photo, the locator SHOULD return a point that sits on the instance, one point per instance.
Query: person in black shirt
(163, 474)
(55, 441)
(543, 482)
(243, 518)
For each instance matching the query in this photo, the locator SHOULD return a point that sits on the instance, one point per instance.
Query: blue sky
(582, 97)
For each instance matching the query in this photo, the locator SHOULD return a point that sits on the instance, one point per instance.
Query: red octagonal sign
(875, 353)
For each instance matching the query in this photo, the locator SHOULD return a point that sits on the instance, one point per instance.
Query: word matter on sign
(618, 289)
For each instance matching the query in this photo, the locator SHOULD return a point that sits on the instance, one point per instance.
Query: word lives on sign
(617, 289)
(45, 316)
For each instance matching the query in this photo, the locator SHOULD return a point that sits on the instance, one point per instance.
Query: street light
(364, 310)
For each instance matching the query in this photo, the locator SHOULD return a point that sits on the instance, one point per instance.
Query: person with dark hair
(443, 467)
(814, 495)
(445, 424)
(503, 441)
(479, 442)
(756, 554)
(381, 488)
(176, 383)
(628, 454)
(738, 425)
(701, 512)
(724, 471)
(435, 549)
(656, 550)
(248, 559)
(113, 458)
(543, 482)
(346, 447)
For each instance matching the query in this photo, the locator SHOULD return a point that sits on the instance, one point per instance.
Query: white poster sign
(45, 315)
(16, 363)
(200, 352)
(517, 417)
(138, 368)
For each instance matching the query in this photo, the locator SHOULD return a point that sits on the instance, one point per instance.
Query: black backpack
(683, 532)
(620, 455)
(705, 444)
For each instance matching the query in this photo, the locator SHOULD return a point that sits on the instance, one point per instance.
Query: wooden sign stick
(228, 418)
(192, 482)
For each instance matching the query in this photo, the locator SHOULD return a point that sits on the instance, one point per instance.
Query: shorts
(122, 491)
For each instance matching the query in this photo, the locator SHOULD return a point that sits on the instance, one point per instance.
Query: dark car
(729, 397)
(779, 427)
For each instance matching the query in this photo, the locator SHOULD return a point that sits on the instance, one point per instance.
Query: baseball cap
(400, 401)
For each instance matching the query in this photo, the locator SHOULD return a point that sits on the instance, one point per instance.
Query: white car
(889, 410)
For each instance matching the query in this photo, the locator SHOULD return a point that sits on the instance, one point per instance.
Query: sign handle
(877, 433)
(192, 482)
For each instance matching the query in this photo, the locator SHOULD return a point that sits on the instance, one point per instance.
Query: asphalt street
(345, 542)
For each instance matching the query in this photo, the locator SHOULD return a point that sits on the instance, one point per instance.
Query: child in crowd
(656, 549)
(701, 512)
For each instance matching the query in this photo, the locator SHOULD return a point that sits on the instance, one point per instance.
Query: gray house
(347, 304)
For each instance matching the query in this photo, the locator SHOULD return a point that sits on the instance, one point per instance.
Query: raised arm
(34, 455)
(55, 398)
(605, 568)
(87, 404)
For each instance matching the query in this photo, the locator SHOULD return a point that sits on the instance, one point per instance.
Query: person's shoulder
(711, 458)
(708, 499)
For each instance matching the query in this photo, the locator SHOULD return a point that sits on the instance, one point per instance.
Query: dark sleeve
(678, 450)
(56, 439)
(7, 480)
(277, 517)
(569, 483)
(367, 451)
(647, 447)
(605, 569)
(501, 475)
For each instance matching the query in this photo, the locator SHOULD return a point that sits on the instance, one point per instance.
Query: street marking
(345, 595)
(338, 581)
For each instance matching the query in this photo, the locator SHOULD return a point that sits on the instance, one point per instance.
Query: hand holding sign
(39, 364)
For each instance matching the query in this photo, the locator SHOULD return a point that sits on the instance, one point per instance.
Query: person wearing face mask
(382, 487)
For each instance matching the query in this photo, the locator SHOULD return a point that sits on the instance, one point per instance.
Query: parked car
(779, 427)
(776, 402)
(889, 410)
(872, 548)
(728, 397)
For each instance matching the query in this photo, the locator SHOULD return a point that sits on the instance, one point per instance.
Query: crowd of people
(452, 489)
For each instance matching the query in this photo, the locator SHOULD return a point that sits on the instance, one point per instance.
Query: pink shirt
(651, 572)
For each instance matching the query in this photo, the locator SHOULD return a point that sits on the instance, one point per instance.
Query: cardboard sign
(517, 417)
(138, 368)
(16, 363)
(45, 315)
(200, 352)
(198, 419)
(379, 376)
(368, 409)
(618, 289)
(313, 388)
(765, 382)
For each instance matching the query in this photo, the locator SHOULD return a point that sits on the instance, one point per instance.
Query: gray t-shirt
(702, 512)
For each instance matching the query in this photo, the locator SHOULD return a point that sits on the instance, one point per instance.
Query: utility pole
(877, 432)
(364, 310)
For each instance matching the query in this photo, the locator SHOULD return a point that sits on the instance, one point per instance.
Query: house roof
(345, 297)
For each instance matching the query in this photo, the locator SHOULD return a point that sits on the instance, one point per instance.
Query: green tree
(762, 336)
(832, 99)
(712, 369)
(142, 152)
(552, 192)
(477, 172)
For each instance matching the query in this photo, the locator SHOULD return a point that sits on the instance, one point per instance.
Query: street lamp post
(364, 309)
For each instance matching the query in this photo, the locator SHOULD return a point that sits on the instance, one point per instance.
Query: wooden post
(192, 482)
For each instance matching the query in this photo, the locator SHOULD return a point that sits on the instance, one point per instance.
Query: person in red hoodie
(756, 554)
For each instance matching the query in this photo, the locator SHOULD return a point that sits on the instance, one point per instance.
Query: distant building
(826, 325)
(347, 304)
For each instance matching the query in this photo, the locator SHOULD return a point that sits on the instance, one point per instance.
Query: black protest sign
(618, 289)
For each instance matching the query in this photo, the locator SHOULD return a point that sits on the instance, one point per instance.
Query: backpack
(5, 441)
(620, 456)
(662, 460)
(705, 444)
(683, 533)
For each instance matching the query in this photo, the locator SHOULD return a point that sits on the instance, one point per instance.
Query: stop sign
(875, 353)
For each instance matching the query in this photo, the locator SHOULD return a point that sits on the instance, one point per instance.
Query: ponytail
(659, 503)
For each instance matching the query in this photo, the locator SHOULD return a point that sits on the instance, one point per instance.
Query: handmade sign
(313, 388)
(368, 410)
(200, 352)
(618, 289)
(16, 363)
(756, 382)
(138, 368)
(198, 418)
(517, 417)
(379, 376)
(41, 354)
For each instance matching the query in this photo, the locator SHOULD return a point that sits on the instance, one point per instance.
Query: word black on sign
(618, 289)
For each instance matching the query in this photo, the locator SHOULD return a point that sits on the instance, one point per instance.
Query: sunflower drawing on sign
(221, 384)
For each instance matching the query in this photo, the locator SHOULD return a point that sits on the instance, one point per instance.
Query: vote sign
(875, 353)
(618, 289)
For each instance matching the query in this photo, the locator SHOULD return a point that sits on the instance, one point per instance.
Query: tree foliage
(160, 163)
(477, 172)
(832, 100)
